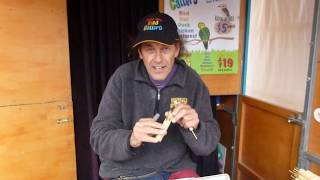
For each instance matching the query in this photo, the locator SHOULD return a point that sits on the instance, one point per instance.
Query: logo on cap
(153, 24)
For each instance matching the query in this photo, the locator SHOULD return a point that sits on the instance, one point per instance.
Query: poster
(209, 30)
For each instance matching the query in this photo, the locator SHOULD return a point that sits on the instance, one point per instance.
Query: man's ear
(177, 45)
(139, 52)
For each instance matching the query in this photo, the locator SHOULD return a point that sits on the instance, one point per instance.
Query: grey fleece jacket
(129, 96)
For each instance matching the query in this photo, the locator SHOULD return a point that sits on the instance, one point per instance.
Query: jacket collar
(179, 78)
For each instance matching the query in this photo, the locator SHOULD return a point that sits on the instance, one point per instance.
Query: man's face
(158, 58)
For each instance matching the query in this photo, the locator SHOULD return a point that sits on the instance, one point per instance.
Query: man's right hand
(145, 130)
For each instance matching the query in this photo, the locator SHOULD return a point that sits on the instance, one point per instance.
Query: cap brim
(162, 38)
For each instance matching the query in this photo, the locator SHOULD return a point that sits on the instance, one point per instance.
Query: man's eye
(165, 50)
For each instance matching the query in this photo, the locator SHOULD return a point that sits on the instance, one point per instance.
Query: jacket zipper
(156, 110)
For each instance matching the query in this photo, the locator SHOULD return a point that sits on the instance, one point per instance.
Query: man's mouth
(159, 67)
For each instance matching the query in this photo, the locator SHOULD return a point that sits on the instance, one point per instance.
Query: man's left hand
(185, 116)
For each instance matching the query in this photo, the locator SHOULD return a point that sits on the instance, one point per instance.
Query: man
(124, 133)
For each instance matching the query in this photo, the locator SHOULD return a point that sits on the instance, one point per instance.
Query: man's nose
(158, 57)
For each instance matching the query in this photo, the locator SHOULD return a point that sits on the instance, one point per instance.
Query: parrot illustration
(204, 34)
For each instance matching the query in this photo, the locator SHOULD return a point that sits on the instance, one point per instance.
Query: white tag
(316, 114)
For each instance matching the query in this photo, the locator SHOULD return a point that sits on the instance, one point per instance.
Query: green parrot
(204, 34)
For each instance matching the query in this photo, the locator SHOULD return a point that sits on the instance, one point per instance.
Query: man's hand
(185, 116)
(145, 130)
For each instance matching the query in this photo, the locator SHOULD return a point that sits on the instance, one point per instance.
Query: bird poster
(209, 30)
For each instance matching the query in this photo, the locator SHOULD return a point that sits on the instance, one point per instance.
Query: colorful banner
(210, 33)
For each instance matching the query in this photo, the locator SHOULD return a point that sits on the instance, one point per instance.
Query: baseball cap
(157, 27)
